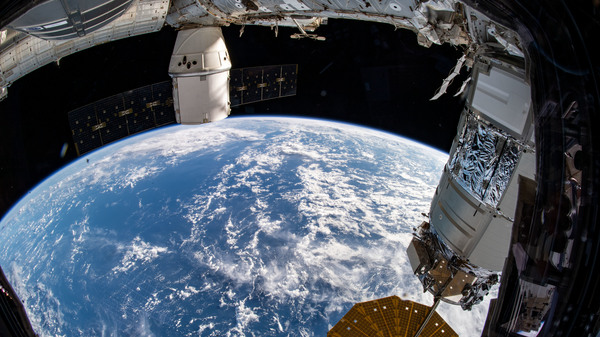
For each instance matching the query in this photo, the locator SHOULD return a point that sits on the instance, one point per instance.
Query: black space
(364, 73)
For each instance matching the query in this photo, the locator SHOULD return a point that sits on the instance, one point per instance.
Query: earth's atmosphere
(245, 227)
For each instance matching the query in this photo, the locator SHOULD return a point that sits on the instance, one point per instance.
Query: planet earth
(244, 227)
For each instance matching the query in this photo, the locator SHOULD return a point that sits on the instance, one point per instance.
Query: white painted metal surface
(201, 99)
(200, 51)
(30, 53)
(200, 68)
(504, 98)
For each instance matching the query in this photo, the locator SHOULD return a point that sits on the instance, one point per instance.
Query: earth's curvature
(244, 227)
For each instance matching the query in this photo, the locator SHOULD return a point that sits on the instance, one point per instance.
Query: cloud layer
(246, 227)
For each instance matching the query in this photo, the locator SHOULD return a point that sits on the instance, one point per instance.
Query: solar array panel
(390, 317)
(134, 111)
(249, 85)
(119, 116)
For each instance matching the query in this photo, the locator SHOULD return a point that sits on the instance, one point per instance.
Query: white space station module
(200, 70)
(459, 252)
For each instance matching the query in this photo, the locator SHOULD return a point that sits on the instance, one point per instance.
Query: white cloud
(244, 316)
(42, 305)
(136, 174)
(138, 251)
(292, 219)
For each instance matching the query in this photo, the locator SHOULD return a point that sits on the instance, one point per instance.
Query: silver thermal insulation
(484, 160)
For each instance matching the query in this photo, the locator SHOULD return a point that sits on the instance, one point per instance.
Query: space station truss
(255, 84)
(119, 116)
(390, 317)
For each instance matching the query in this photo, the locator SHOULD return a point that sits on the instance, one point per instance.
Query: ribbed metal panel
(68, 19)
(30, 53)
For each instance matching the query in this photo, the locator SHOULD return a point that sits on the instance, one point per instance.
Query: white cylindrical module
(476, 223)
(458, 254)
(200, 70)
(474, 205)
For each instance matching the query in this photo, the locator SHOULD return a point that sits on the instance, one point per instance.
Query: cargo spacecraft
(517, 201)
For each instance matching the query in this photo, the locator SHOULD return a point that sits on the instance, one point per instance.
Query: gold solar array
(390, 316)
